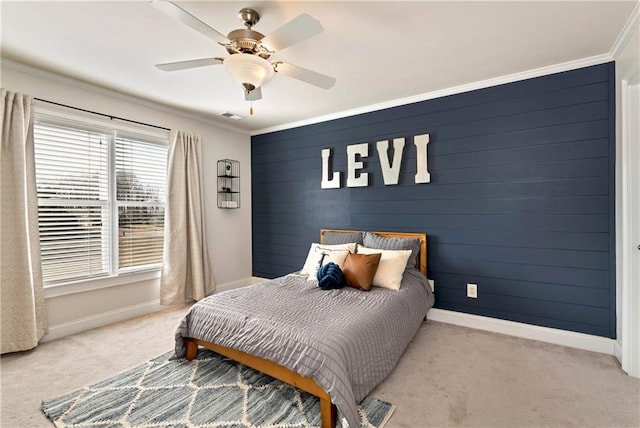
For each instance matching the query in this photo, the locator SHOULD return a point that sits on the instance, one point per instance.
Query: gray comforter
(347, 340)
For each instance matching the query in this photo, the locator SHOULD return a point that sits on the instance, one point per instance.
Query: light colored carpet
(449, 376)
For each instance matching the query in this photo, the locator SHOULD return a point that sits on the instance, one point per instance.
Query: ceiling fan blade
(192, 63)
(178, 13)
(313, 78)
(254, 95)
(298, 29)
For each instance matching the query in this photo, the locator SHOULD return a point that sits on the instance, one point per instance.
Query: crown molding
(510, 78)
(90, 87)
(625, 35)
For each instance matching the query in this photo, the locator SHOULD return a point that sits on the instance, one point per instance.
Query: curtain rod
(102, 114)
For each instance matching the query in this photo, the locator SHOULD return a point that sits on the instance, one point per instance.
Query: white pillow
(391, 267)
(336, 256)
(319, 253)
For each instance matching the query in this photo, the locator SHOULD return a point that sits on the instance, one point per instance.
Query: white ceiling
(377, 51)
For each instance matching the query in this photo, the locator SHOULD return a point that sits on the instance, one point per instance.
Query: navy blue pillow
(330, 276)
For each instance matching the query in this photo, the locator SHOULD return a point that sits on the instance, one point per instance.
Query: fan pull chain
(251, 108)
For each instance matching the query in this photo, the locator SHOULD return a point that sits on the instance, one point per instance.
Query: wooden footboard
(307, 384)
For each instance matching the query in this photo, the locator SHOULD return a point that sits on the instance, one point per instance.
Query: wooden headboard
(421, 260)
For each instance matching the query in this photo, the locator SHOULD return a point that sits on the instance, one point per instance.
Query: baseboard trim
(617, 351)
(571, 339)
(237, 284)
(100, 320)
(544, 334)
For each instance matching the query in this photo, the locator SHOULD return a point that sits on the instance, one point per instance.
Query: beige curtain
(186, 274)
(22, 307)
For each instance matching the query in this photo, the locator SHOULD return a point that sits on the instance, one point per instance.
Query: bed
(335, 344)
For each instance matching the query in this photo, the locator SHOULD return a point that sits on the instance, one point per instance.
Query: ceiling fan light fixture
(250, 71)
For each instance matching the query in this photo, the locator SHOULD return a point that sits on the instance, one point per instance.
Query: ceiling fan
(250, 61)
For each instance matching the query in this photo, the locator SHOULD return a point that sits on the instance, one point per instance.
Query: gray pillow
(337, 238)
(371, 240)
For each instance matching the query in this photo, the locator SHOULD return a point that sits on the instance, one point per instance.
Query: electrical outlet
(472, 290)
(432, 285)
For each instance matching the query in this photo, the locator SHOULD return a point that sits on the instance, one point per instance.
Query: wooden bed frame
(328, 410)
(421, 260)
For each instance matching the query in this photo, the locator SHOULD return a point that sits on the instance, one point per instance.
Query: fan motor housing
(246, 41)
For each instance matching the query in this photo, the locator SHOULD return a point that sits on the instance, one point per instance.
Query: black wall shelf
(228, 183)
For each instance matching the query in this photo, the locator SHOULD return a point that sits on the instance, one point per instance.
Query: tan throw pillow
(359, 270)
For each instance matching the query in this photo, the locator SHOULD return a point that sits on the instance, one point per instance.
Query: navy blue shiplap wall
(521, 199)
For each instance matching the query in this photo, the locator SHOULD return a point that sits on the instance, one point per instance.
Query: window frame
(114, 129)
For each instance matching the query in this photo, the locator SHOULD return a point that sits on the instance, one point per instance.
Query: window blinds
(101, 197)
(72, 175)
(140, 194)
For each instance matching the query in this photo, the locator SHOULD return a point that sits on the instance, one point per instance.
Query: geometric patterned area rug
(210, 391)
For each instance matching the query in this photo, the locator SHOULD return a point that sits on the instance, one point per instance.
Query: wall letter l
(334, 183)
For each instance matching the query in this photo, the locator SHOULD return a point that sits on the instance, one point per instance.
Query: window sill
(96, 284)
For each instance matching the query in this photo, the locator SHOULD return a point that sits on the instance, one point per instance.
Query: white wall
(75, 308)
(626, 52)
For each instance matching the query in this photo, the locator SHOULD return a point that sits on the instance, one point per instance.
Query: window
(140, 195)
(101, 196)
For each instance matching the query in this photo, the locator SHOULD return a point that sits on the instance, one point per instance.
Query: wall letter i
(422, 169)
